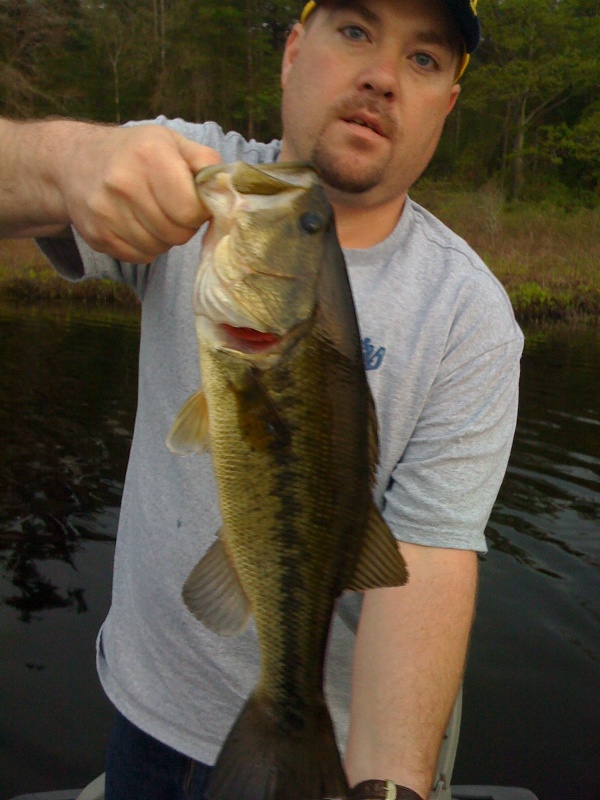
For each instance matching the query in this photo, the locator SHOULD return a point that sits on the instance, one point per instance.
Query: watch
(382, 790)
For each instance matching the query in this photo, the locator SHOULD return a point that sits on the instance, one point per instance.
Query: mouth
(248, 340)
(367, 121)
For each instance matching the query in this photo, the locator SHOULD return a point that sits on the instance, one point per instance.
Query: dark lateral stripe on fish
(292, 587)
(292, 673)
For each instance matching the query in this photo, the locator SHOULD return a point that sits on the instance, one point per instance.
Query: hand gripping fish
(288, 417)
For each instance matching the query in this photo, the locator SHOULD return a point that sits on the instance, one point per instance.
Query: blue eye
(355, 33)
(425, 60)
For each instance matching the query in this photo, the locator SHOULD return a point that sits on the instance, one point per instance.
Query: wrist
(382, 790)
(40, 156)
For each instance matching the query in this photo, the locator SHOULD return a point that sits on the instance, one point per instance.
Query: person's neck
(359, 227)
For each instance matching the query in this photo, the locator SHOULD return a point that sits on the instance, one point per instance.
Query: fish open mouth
(248, 340)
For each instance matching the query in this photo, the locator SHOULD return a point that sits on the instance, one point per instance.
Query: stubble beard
(337, 170)
(344, 177)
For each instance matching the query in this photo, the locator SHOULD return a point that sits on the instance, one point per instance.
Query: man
(367, 85)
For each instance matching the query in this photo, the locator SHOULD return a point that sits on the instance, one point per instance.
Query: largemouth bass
(286, 412)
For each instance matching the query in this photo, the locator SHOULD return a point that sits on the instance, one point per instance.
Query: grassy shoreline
(26, 278)
(547, 258)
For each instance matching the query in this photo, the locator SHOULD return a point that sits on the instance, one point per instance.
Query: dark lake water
(532, 690)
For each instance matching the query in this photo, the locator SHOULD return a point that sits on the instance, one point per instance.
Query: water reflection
(532, 690)
(65, 430)
(552, 488)
(35, 592)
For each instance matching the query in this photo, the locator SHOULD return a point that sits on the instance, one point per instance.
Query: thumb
(196, 155)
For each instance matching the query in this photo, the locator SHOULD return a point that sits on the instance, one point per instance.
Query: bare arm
(129, 192)
(408, 664)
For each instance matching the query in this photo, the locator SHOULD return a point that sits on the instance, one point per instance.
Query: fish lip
(221, 336)
(371, 121)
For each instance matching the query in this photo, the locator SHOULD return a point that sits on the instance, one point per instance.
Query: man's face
(367, 86)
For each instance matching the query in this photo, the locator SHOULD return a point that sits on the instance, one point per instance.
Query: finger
(150, 228)
(144, 198)
(121, 249)
(172, 182)
(124, 236)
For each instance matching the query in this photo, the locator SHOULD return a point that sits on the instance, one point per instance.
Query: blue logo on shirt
(372, 357)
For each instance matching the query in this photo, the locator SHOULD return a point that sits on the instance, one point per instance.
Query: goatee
(340, 173)
(340, 179)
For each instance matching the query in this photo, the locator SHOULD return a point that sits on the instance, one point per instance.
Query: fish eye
(311, 222)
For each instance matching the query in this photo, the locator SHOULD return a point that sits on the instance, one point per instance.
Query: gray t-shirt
(442, 352)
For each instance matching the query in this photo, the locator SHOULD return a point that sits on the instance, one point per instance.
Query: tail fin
(260, 761)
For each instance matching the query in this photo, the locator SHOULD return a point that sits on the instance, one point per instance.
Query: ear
(292, 48)
(455, 91)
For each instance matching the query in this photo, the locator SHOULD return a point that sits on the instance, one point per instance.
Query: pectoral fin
(214, 594)
(380, 563)
(189, 433)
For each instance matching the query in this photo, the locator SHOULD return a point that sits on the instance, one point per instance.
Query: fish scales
(287, 413)
(301, 500)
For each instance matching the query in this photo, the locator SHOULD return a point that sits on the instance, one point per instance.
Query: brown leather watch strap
(382, 790)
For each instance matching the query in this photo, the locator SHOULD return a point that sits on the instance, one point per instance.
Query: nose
(381, 77)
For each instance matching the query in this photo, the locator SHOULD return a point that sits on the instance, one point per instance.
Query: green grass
(548, 258)
(27, 278)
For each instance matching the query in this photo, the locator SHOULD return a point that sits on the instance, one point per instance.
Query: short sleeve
(442, 490)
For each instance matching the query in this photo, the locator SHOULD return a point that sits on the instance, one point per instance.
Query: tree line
(528, 116)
